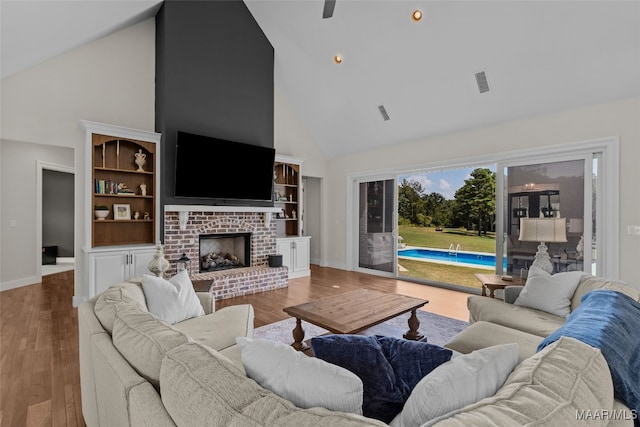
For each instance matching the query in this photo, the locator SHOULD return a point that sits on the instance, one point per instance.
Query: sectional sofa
(136, 370)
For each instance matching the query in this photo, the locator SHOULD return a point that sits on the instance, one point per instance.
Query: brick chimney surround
(183, 226)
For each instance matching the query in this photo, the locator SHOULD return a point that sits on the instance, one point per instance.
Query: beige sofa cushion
(590, 283)
(525, 319)
(207, 389)
(143, 341)
(548, 389)
(485, 334)
(219, 329)
(122, 293)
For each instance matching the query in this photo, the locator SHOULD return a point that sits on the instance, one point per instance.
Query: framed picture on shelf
(121, 212)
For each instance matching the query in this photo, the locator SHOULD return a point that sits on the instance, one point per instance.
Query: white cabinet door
(283, 247)
(139, 262)
(107, 269)
(295, 255)
(301, 255)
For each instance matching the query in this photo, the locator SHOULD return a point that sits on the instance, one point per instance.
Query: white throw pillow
(550, 293)
(172, 300)
(305, 381)
(461, 381)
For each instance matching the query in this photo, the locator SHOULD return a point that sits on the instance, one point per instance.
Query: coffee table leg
(298, 337)
(414, 325)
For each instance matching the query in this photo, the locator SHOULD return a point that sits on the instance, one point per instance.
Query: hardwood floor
(39, 373)
(325, 282)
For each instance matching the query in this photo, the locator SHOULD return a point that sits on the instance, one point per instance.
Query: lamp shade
(543, 230)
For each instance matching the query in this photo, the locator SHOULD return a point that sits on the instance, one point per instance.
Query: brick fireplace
(182, 233)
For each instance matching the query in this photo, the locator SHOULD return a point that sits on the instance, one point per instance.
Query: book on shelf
(103, 186)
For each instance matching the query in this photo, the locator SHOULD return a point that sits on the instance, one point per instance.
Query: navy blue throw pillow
(388, 367)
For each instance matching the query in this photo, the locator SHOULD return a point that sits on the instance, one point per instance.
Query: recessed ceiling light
(416, 15)
(337, 59)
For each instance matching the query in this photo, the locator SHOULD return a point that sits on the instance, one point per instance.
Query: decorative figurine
(580, 248)
(293, 214)
(146, 215)
(136, 215)
(141, 159)
(143, 189)
(158, 264)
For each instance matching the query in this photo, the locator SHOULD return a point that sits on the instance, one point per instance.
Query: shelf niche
(286, 195)
(116, 176)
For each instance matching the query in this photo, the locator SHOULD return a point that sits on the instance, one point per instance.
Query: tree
(410, 202)
(437, 207)
(475, 200)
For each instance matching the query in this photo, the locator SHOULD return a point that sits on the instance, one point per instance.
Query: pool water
(473, 259)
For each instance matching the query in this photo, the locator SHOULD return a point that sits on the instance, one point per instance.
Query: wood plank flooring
(325, 282)
(39, 372)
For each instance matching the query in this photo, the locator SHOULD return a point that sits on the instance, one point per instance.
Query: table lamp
(551, 230)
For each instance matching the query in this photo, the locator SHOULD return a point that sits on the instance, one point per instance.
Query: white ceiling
(539, 56)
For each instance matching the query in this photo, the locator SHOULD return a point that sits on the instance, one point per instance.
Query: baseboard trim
(18, 283)
(339, 266)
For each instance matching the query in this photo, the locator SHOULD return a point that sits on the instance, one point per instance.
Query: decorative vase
(158, 264)
(141, 159)
(101, 214)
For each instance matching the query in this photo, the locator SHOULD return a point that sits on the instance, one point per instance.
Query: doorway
(311, 216)
(56, 218)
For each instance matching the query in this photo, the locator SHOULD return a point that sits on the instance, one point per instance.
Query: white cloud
(426, 183)
(444, 185)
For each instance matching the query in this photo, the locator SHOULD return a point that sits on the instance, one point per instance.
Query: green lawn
(430, 238)
(443, 273)
(427, 237)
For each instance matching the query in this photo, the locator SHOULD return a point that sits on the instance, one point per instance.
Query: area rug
(438, 329)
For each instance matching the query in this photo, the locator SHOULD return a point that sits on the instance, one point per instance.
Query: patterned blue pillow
(388, 367)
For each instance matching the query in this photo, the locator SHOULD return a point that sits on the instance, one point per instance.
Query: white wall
(111, 80)
(620, 118)
(291, 138)
(18, 167)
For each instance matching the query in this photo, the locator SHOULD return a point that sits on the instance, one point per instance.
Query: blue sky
(445, 182)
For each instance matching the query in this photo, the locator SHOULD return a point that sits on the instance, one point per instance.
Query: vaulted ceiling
(538, 57)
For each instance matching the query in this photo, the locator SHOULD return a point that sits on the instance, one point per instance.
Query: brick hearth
(227, 283)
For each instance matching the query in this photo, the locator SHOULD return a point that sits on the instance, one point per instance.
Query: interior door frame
(353, 182)
(40, 166)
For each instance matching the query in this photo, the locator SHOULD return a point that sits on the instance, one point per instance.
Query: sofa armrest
(511, 293)
(207, 301)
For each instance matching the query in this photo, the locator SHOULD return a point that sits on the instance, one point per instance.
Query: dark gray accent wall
(57, 211)
(214, 77)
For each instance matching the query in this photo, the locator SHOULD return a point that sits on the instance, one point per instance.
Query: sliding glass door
(563, 190)
(377, 226)
(575, 183)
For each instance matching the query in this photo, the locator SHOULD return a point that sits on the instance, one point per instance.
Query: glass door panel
(376, 225)
(546, 190)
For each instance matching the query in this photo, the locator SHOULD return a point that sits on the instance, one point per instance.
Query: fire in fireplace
(224, 251)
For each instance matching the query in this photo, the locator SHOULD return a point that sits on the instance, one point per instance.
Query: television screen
(228, 171)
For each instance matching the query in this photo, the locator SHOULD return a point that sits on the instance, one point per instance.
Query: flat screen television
(225, 172)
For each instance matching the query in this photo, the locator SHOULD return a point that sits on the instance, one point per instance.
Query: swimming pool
(464, 259)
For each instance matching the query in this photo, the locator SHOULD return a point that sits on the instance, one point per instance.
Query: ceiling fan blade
(329, 5)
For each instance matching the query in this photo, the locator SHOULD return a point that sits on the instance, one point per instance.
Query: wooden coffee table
(352, 312)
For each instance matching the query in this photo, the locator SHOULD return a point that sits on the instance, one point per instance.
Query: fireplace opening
(224, 251)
